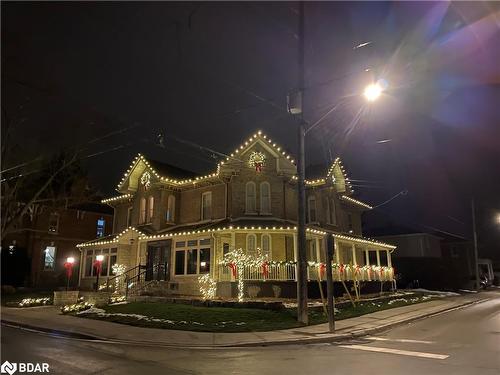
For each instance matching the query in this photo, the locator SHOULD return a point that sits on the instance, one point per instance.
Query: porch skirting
(288, 289)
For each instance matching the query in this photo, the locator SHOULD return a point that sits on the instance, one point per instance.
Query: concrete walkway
(49, 319)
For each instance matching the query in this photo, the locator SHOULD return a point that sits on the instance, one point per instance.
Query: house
(437, 260)
(34, 254)
(174, 226)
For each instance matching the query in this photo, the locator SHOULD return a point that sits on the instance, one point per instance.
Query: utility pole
(329, 282)
(302, 315)
(476, 263)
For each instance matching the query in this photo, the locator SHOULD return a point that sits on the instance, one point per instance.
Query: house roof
(170, 170)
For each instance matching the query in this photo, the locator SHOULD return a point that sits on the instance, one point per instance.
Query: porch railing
(287, 272)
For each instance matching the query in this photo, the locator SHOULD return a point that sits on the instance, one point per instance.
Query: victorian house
(173, 226)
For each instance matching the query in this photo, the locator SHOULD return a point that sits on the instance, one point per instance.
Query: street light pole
(474, 232)
(302, 315)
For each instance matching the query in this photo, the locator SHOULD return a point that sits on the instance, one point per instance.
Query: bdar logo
(8, 368)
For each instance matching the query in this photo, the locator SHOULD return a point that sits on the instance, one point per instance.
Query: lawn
(225, 319)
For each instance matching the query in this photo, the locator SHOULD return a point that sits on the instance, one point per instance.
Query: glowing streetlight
(372, 92)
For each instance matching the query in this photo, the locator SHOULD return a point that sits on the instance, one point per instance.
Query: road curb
(327, 338)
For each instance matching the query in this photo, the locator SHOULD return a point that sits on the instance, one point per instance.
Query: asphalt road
(464, 341)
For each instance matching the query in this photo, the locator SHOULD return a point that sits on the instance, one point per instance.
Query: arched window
(206, 205)
(142, 211)
(170, 215)
(265, 198)
(251, 244)
(151, 207)
(250, 205)
(311, 209)
(265, 245)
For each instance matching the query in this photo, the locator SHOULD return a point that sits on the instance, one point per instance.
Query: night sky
(177, 81)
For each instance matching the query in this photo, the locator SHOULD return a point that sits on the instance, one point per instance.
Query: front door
(158, 260)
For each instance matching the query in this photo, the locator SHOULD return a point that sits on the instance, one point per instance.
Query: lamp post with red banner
(97, 265)
(70, 261)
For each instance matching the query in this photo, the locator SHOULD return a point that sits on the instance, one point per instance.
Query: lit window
(49, 258)
(251, 244)
(189, 260)
(250, 198)
(142, 212)
(101, 223)
(170, 209)
(311, 204)
(266, 245)
(109, 259)
(206, 206)
(151, 205)
(129, 217)
(54, 222)
(265, 198)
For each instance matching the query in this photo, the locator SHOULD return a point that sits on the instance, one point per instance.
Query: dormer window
(54, 223)
(250, 198)
(265, 198)
(169, 216)
(142, 211)
(151, 207)
(101, 223)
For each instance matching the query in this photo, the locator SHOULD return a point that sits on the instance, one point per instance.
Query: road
(464, 341)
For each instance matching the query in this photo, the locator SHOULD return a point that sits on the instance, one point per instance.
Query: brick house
(34, 255)
(173, 226)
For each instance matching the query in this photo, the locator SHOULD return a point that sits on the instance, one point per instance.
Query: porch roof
(363, 240)
(113, 238)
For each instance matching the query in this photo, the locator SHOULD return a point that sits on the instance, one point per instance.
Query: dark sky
(214, 73)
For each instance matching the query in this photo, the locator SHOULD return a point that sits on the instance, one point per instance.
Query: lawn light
(97, 265)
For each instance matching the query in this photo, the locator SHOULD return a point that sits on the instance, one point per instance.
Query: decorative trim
(355, 201)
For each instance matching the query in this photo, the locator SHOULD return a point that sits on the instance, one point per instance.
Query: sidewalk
(49, 319)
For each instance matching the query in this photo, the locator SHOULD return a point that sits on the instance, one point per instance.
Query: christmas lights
(355, 201)
(208, 286)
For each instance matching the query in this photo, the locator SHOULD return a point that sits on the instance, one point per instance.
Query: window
(204, 260)
(383, 258)
(49, 258)
(333, 212)
(265, 198)
(349, 222)
(312, 254)
(54, 222)
(190, 259)
(372, 257)
(265, 245)
(101, 223)
(151, 205)
(311, 212)
(250, 198)
(142, 212)
(251, 244)
(206, 205)
(110, 257)
(225, 248)
(170, 209)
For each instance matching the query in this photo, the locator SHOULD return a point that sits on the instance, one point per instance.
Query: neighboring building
(431, 260)
(174, 226)
(34, 255)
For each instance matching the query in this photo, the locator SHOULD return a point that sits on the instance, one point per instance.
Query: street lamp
(295, 102)
(97, 265)
(70, 261)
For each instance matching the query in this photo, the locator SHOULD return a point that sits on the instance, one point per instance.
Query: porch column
(378, 258)
(318, 252)
(295, 246)
(353, 249)
(389, 261)
(367, 256)
(233, 240)
(336, 249)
